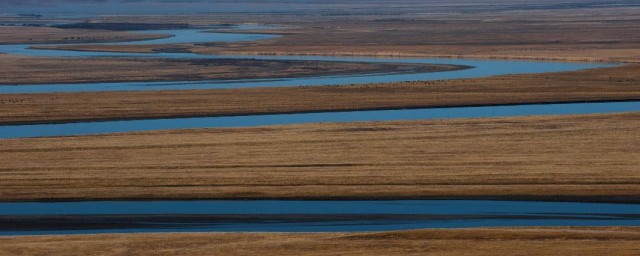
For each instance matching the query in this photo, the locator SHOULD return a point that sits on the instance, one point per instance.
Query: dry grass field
(38, 35)
(584, 241)
(421, 29)
(35, 70)
(559, 158)
(606, 84)
(511, 37)
(553, 30)
(581, 158)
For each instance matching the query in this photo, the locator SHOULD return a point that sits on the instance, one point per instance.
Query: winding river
(310, 216)
(482, 68)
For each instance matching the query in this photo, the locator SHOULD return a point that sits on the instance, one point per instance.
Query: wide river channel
(299, 216)
(481, 68)
(302, 216)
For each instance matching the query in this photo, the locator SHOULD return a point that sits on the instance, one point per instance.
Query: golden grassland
(38, 35)
(584, 241)
(589, 158)
(606, 34)
(566, 34)
(35, 70)
(605, 84)
(580, 158)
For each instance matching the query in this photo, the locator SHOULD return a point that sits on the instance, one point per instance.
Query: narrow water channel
(482, 68)
(301, 216)
(297, 216)
(89, 128)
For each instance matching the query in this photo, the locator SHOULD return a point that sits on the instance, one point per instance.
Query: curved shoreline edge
(258, 114)
(383, 68)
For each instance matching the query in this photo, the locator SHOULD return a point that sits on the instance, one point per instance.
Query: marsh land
(557, 158)
(605, 84)
(579, 158)
(48, 70)
(484, 29)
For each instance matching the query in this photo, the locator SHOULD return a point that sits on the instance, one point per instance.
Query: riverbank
(620, 83)
(565, 158)
(583, 241)
(18, 70)
(560, 33)
(565, 34)
(50, 35)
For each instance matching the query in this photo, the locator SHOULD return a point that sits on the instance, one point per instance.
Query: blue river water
(86, 128)
(302, 216)
(297, 216)
(482, 68)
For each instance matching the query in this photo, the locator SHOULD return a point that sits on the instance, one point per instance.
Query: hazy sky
(156, 6)
(124, 6)
(89, 7)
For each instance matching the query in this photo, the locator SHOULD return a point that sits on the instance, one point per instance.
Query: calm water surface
(296, 216)
(86, 128)
(482, 67)
(306, 216)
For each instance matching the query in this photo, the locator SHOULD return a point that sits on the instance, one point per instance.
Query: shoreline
(258, 114)
(452, 56)
(311, 161)
(621, 200)
(189, 49)
(611, 84)
(586, 241)
(390, 71)
(303, 66)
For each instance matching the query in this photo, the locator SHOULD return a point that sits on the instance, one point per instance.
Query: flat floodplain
(566, 159)
(553, 30)
(38, 35)
(603, 84)
(34, 70)
(584, 241)
(590, 158)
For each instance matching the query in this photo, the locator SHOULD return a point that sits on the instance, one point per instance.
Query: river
(298, 216)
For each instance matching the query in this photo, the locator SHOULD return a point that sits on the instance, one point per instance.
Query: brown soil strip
(577, 34)
(580, 158)
(48, 35)
(473, 242)
(606, 84)
(28, 70)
